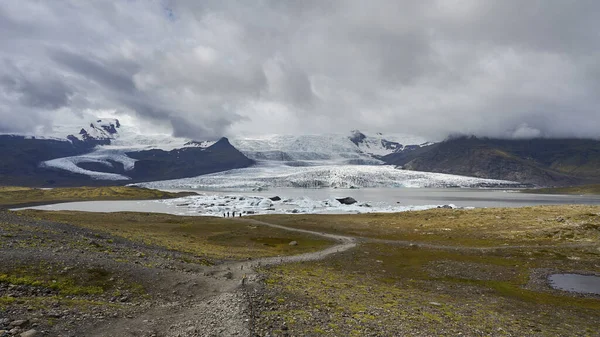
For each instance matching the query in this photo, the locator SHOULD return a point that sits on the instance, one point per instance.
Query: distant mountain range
(106, 152)
(541, 162)
(103, 153)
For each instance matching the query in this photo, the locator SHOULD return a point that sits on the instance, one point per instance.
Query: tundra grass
(385, 290)
(576, 190)
(15, 196)
(207, 237)
(540, 225)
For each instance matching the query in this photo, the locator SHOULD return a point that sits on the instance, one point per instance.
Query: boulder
(30, 333)
(275, 198)
(446, 207)
(293, 243)
(347, 200)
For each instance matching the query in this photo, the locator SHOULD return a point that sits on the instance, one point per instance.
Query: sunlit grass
(10, 196)
(476, 227)
(207, 237)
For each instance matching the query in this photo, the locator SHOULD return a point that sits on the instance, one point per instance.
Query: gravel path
(185, 299)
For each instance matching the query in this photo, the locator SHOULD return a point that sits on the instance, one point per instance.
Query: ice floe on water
(220, 205)
(264, 176)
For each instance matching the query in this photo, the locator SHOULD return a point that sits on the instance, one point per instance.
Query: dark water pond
(585, 284)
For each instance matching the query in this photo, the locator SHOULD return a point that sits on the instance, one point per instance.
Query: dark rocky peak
(392, 146)
(357, 137)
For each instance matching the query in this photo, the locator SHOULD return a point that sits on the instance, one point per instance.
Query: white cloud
(212, 68)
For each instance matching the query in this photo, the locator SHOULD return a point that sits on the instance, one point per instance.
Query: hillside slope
(543, 162)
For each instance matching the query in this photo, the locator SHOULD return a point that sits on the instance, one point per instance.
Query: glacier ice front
(269, 175)
(222, 204)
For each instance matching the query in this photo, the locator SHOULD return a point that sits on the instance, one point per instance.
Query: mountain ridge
(538, 161)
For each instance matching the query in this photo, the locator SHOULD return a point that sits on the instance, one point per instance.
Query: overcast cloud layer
(204, 69)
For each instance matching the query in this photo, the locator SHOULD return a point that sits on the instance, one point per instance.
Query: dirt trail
(223, 306)
(217, 300)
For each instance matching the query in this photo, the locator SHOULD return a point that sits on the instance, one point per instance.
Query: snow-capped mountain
(108, 150)
(109, 132)
(353, 148)
(380, 145)
(101, 131)
(111, 144)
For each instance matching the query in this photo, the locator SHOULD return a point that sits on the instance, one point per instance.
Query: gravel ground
(178, 298)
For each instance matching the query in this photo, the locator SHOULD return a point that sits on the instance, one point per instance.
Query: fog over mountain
(203, 69)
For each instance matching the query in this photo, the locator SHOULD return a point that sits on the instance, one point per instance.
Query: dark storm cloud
(95, 70)
(429, 67)
(43, 90)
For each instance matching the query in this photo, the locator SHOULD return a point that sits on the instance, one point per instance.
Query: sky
(211, 68)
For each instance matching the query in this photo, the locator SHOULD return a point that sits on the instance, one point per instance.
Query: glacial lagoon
(298, 200)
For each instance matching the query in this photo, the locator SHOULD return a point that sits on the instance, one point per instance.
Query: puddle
(584, 284)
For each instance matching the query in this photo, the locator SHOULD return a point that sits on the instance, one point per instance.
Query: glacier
(272, 175)
(130, 138)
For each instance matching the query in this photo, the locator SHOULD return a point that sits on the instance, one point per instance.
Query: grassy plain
(11, 196)
(576, 190)
(476, 227)
(471, 273)
(382, 289)
(207, 237)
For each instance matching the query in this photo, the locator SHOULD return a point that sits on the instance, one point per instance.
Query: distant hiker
(233, 215)
(223, 214)
(228, 214)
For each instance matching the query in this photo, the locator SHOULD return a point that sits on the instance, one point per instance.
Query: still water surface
(396, 197)
(585, 284)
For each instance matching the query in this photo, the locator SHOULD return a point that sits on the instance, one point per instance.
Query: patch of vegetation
(206, 237)
(380, 289)
(15, 196)
(540, 225)
(575, 190)
(63, 280)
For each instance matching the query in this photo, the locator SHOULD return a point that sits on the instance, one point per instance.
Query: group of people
(226, 215)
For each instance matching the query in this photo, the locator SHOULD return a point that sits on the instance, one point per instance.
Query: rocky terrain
(57, 279)
(437, 272)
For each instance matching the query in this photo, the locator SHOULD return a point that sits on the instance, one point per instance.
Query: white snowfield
(101, 156)
(333, 147)
(269, 175)
(218, 205)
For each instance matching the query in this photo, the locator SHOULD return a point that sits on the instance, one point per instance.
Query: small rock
(275, 198)
(19, 323)
(293, 243)
(446, 207)
(30, 333)
(347, 201)
(435, 304)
